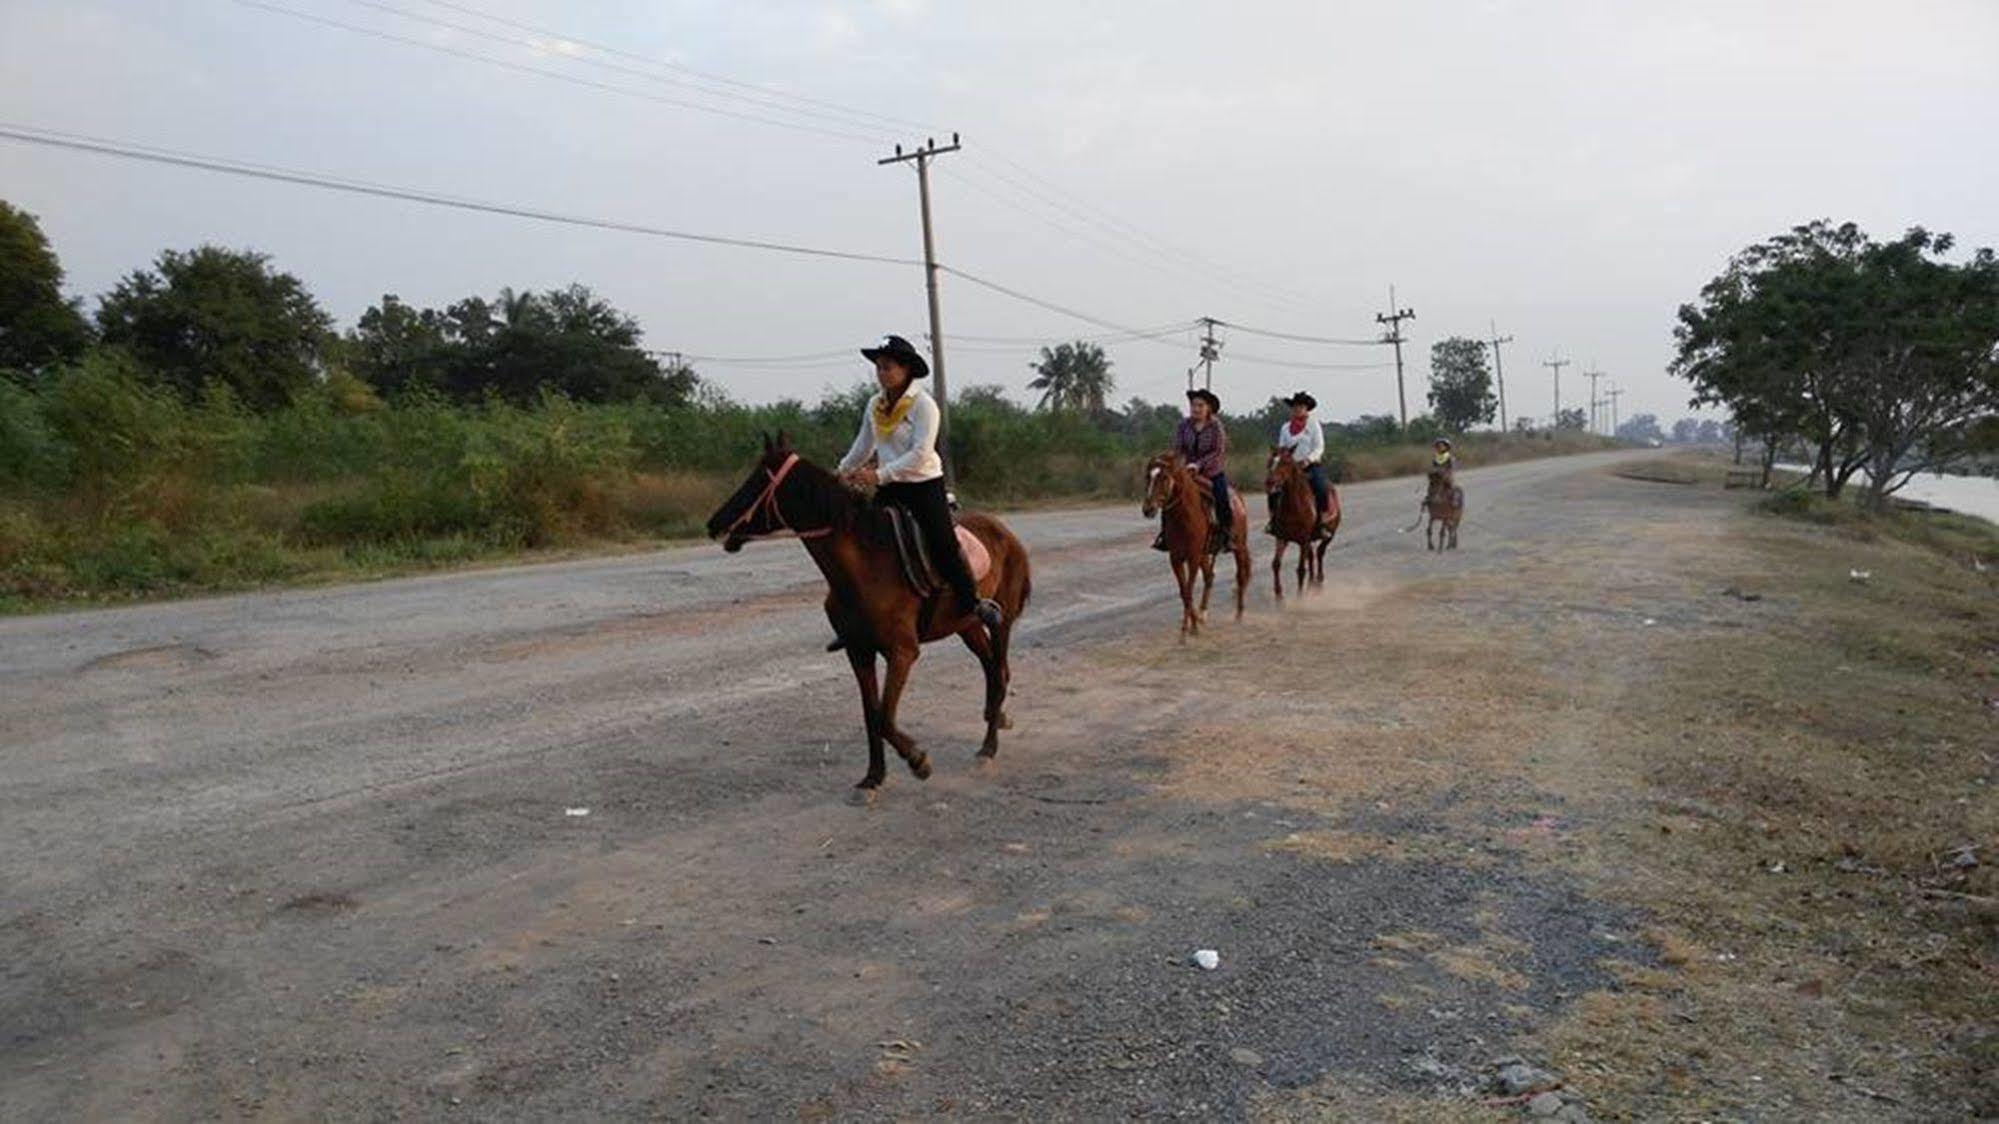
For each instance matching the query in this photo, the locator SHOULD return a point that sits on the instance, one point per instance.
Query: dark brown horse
(869, 602)
(1444, 503)
(1297, 520)
(1174, 493)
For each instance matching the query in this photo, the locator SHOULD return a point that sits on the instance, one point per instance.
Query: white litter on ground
(576, 811)
(1207, 959)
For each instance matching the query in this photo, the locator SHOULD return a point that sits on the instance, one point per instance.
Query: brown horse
(868, 600)
(1444, 503)
(1297, 520)
(1174, 493)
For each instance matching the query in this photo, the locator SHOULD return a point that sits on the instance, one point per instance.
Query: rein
(768, 499)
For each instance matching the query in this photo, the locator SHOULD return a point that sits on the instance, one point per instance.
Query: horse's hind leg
(1243, 569)
(863, 662)
(900, 660)
(986, 648)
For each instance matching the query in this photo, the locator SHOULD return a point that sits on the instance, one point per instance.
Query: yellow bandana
(1441, 459)
(887, 417)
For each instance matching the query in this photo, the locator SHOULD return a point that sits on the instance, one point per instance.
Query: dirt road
(319, 854)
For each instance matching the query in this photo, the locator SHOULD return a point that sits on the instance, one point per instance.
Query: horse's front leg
(1183, 572)
(1207, 565)
(901, 658)
(862, 658)
(1277, 569)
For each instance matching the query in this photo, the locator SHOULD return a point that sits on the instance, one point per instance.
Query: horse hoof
(863, 795)
(921, 767)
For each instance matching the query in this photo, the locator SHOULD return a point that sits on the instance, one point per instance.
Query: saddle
(919, 570)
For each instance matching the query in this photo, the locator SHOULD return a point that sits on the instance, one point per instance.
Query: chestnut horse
(1174, 493)
(1444, 503)
(869, 602)
(1297, 520)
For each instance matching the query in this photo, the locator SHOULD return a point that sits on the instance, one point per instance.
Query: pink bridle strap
(768, 498)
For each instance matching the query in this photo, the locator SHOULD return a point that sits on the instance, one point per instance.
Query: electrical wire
(706, 76)
(586, 60)
(1300, 338)
(554, 75)
(104, 147)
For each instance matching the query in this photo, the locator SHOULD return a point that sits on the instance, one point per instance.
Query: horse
(1174, 493)
(869, 599)
(1296, 520)
(1444, 503)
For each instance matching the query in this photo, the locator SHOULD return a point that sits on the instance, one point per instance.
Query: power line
(1114, 225)
(701, 75)
(648, 75)
(356, 187)
(1297, 337)
(555, 75)
(1303, 366)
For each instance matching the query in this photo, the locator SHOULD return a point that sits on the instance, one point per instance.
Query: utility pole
(1211, 350)
(1499, 372)
(1613, 394)
(1557, 364)
(1592, 375)
(922, 157)
(1394, 318)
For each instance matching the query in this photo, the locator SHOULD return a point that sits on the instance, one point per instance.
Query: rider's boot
(989, 613)
(1159, 540)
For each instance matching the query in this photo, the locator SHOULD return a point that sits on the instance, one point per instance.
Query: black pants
(925, 499)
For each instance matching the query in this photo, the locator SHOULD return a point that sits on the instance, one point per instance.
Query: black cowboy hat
(898, 349)
(1302, 399)
(1208, 396)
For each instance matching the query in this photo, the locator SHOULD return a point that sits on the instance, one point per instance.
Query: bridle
(1173, 488)
(767, 499)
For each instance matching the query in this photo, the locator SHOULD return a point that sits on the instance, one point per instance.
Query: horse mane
(827, 501)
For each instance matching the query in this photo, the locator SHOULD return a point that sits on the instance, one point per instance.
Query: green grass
(113, 489)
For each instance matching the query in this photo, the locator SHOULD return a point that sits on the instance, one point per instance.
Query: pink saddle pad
(976, 554)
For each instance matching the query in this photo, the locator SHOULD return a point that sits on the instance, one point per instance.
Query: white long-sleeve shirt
(1307, 445)
(908, 454)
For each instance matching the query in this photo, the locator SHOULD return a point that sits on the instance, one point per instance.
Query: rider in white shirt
(1306, 439)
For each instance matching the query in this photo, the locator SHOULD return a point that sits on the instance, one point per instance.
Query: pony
(1444, 503)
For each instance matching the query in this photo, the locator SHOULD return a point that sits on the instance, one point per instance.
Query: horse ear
(765, 434)
(783, 441)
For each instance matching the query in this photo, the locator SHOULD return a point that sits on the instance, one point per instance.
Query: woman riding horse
(1203, 442)
(1306, 439)
(900, 433)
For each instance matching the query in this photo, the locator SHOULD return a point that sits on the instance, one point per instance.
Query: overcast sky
(1572, 171)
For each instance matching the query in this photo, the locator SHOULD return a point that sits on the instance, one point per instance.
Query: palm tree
(1073, 376)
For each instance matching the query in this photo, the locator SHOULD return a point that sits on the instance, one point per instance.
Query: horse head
(751, 512)
(1283, 470)
(1162, 479)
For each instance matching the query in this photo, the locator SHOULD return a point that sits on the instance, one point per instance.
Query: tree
(1686, 431)
(515, 346)
(39, 327)
(1642, 429)
(223, 316)
(1572, 419)
(1710, 432)
(1073, 376)
(1460, 385)
(1523, 425)
(1877, 355)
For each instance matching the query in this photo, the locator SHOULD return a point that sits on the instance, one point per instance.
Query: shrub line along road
(304, 826)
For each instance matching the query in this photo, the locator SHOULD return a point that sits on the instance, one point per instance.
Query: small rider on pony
(1203, 442)
(1306, 439)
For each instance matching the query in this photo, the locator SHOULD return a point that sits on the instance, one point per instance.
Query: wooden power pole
(1211, 350)
(1613, 394)
(1592, 375)
(1394, 318)
(922, 157)
(1557, 364)
(1499, 372)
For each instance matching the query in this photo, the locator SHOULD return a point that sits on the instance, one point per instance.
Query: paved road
(241, 836)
